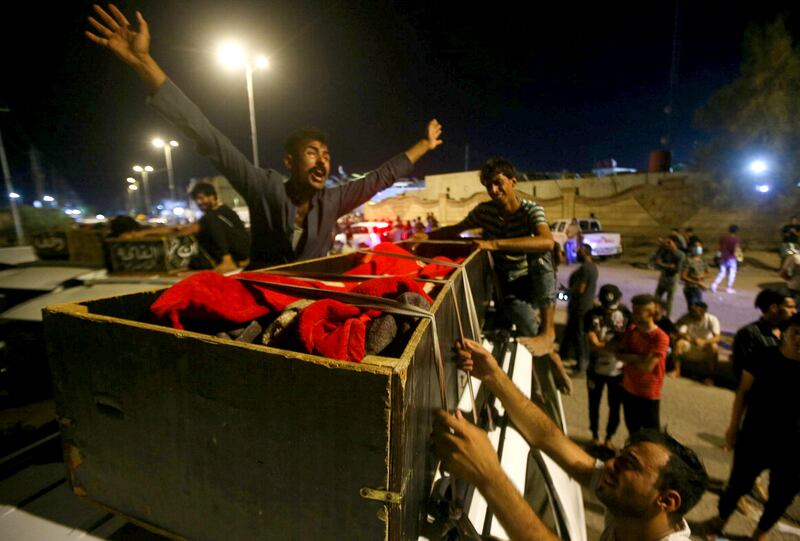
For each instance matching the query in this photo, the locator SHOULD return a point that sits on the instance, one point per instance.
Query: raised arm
(114, 32)
(533, 423)
(433, 138)
(355, 193)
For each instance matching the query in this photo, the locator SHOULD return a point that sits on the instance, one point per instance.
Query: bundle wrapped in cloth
(324, 327)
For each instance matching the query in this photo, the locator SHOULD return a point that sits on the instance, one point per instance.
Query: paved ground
(695, 414)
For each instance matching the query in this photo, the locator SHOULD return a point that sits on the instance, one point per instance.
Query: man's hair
(587, 248)
(701, 304)
(304, 135)
(122, 224)
(768, 297)
(643, 300)
(688, 229)
(496, 166)
(733, 229)
(683, 472)
(203, 188)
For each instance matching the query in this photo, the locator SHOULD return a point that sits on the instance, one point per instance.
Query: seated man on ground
(647, 489)
(698, 338)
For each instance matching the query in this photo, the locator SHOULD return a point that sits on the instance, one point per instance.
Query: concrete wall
(640, 206)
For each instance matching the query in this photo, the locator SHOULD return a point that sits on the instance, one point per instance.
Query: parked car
(365, 234)
(603, 243)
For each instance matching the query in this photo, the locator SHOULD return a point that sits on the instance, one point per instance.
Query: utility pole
(12, 197)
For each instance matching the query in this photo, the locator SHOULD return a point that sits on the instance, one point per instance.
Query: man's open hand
(465, 449)
(434, 134)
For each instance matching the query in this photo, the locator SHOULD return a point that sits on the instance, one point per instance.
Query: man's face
(501, 188)
(697, 312)
(205, 202)
(787, 308)
(312, 163)
(643, 313)
(670, 245)
(629, 486)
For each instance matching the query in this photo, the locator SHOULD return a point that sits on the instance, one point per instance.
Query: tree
(759, 113)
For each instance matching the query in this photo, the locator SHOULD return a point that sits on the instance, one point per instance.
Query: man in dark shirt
(223, 239)
(766, 394)
(582, 289)
(669, 261)
(605, 326)
(752, 341)
(290, 219)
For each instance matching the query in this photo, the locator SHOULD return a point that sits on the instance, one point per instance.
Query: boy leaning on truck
(516, 232)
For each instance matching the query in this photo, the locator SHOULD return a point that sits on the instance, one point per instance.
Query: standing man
(582, 289)
(694, 272)
(728, 264)
(752, 342)
(669, 260)
(765, 397)
(290, 220)
(644, 352)
(790, 271)
(220, 233)
(605, 327)
(647, 489)
(573, 232)
(516, 232)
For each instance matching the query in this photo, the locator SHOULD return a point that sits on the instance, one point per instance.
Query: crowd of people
(654, 480)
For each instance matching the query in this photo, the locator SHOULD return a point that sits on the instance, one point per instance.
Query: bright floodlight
(763, 188)
(138, 168)
(231, 54)
(758, 167)
(158, 143)
(262, 62)
(131, 180)
(148, 168)
(13, 195)
(133, 187)
(48, 198)
(173, 143)
(178, 211)
(99, 217)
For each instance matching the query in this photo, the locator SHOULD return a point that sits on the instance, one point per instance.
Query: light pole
(233, 56)
(144, 171)
(159, 143)
(131, 191)
(12, 196)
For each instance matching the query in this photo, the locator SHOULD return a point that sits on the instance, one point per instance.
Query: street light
(131, 191)
(233, 56)
(159, 143)
(144, 171)
(758, 167)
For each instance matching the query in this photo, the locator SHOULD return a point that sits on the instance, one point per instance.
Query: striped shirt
(489, 217)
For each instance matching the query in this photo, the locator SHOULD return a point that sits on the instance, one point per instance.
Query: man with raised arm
(648, 488)
(290, 219)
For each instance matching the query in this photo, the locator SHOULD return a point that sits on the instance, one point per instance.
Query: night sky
(552, 88)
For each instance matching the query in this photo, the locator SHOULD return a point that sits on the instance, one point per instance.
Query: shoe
(610, 446)
(730, 290)
(713, 288)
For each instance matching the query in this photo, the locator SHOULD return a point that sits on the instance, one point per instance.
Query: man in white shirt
(698, 338)
(647, 488)
(790, 271)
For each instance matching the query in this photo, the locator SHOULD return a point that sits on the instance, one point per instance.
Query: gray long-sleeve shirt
(272, 213)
